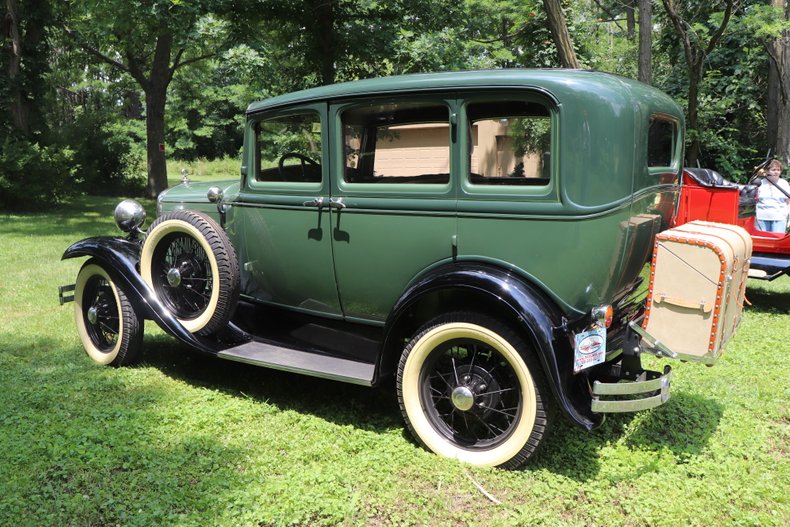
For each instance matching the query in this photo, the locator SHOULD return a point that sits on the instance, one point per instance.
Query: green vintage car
(484, 237)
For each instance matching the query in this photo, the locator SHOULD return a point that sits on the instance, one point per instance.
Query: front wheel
(108, 326)
(470, 388)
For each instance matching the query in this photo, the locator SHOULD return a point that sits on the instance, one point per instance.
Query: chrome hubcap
(463, 398)
(93, 315)
(174, 277)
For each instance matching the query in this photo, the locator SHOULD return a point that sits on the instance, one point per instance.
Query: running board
(304, 362)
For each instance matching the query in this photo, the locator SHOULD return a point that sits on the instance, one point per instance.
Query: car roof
(556, 83)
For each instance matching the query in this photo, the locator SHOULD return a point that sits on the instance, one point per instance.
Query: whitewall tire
(470, 388)
(192, 268)
(108, 326)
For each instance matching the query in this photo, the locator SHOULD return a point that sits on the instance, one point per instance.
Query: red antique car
(706, 195)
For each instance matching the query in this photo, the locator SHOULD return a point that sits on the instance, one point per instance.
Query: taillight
(602, 315)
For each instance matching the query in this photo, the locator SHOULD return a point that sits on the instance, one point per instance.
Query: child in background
(773, 206)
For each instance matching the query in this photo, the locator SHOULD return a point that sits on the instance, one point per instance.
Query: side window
(661, 142)
(397, 143)
(509, 143)
(288, 148)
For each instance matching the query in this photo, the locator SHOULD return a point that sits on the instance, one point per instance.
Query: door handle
(337, 203)
(317, 202)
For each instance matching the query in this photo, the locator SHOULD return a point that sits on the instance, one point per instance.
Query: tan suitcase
(697, 284)
(741, 243)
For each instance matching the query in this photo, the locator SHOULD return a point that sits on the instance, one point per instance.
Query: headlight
(129, 215)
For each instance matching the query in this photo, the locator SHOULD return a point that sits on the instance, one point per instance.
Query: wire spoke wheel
(107, 323)
(191, 266)
(101, 312)
(471, 393)
(470, 388)
(185, 280)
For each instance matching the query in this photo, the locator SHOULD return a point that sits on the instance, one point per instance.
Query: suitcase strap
(706, 307)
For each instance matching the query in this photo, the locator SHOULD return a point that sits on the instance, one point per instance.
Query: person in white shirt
(773, 206)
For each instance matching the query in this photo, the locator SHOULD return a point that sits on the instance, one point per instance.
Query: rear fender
(120, 258)
(527, 308)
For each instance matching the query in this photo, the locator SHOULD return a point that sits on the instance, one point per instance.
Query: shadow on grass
(683, 426)
(81, 446)
(341, 403)
(768, 300)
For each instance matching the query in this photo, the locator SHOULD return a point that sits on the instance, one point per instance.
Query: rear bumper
(649, 390)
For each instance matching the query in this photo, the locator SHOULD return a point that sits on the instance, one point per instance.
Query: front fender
(120, 258)
(536, 316)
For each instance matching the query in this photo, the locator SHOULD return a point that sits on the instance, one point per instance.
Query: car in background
(706, 195)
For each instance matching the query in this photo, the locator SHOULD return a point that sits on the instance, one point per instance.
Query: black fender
(527, 306)
(120, 257)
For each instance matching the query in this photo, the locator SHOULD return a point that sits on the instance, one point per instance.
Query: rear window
(661, 142)
(509, 143)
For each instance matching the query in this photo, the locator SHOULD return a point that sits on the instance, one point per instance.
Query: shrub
(110, 155)
(34, 176)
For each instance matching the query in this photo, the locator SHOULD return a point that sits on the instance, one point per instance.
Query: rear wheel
(470, 388)
(108, 326)
(189, 262)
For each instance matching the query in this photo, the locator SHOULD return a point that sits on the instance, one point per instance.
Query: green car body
(573, 238)
(478, 235)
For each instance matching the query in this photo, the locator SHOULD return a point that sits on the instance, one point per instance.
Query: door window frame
(251, 182)
(340, 187)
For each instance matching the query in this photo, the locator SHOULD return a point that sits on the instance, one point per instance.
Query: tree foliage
(149, 40)
(92, 88)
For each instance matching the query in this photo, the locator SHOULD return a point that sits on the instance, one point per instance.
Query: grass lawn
(202, 170)
(186, 440)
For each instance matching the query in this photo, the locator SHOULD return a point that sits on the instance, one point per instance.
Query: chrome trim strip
(629, 388)
(611, 407)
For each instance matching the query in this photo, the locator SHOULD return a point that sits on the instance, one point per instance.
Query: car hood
(195, 192)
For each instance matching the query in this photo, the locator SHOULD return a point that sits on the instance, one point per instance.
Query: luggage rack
(652, 345)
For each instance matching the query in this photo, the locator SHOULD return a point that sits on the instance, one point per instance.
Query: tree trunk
(694, 149)
(154, 81)
(646, 41)
(779, 90)
(782, 148)
(20, 114)
(559, 31)
(155, 136)
(630, 20)
(324, 11)
(155, 99)
(695, 51)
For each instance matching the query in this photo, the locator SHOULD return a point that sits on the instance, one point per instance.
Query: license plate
(589, 349)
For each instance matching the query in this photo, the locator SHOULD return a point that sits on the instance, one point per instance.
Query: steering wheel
(301, 157)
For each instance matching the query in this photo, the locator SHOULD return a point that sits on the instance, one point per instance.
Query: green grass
(203, 170)
(186, 440)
